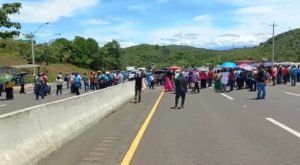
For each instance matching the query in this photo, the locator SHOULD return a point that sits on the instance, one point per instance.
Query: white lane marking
(289, 93)
(3, 105)
(230, 98)
(284, 127)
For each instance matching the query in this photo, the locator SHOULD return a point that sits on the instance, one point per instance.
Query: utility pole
(273, 47)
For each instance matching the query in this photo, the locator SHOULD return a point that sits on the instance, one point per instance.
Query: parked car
(132, 75)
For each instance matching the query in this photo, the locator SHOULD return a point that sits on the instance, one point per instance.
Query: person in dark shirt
(181, 90)
(261, 88)
(138, 85)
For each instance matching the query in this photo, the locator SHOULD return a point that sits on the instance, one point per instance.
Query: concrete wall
(30, 134)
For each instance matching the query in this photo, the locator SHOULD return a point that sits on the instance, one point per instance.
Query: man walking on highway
(181, 90)
(138, 85)
(261, 78)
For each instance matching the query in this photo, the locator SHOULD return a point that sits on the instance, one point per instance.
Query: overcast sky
(199, 23)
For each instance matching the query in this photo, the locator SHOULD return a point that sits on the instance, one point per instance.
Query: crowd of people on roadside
(74, 82)
(226, 79)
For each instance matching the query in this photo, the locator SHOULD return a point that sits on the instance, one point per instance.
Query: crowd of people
(223, 79)
(227, 79)
(74, 82)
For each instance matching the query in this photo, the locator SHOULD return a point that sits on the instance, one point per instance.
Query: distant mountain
(287, 48)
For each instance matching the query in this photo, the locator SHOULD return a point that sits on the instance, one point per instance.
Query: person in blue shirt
(294, 72)
(77, 83)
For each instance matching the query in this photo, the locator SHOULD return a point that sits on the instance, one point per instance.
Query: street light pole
(32, 44)
(32, 51)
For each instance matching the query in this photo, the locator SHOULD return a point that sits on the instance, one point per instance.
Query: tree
(5, 10)
(113, 55)
(79, 51)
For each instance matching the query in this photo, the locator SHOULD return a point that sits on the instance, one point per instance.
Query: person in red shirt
(210, 77)
(285, 73)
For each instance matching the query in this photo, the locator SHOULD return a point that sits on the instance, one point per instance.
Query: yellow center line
(130, 153)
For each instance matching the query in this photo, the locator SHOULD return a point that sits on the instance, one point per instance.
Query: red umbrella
(174, 68)
(243, 65)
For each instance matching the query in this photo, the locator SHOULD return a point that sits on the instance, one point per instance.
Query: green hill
(86, 52)
(287, 48)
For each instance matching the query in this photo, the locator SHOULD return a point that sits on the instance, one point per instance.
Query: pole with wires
(273, 43)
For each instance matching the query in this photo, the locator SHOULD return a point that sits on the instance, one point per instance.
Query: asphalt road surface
(22, 101)
(213, 129)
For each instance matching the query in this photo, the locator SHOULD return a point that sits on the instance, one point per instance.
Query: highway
(22, 101)
(229, 129)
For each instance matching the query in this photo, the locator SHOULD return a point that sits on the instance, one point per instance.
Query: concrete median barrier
(28, 135)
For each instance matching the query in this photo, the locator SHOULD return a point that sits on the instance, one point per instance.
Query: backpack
(77, 81)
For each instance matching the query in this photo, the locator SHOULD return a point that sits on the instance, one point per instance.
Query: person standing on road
(180, 90)
(9, 90)
(261, 78)
(298, 74)
(77, 83)
(59, 85)
(138, 85)
(38, 87)
(294, 73)
(22, 84)
(217, 77)
(210, 77)
(231, 78)
(274, 75)
(224, 80)
(85, 80)
(1, 88)
(285, 72)
(67, 80)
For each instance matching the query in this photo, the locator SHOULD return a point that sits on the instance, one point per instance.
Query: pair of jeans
(261, 90)
(76, 90)
(86, 86)
(22, 90)
(58, 89)
(293, 80)
(39, 91)
(138, 91)
(182, 95)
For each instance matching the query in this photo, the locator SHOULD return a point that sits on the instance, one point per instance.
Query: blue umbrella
(228, 65)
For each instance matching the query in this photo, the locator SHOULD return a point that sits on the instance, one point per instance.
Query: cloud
(255, 10)
(205, 17)
(50, 10)
(98, 22)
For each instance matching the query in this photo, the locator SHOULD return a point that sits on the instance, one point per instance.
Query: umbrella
(5, 77)
(243, 65)
(228, 65)
(174, 68)
(248, 68)
(22, 73)
(159, 71)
